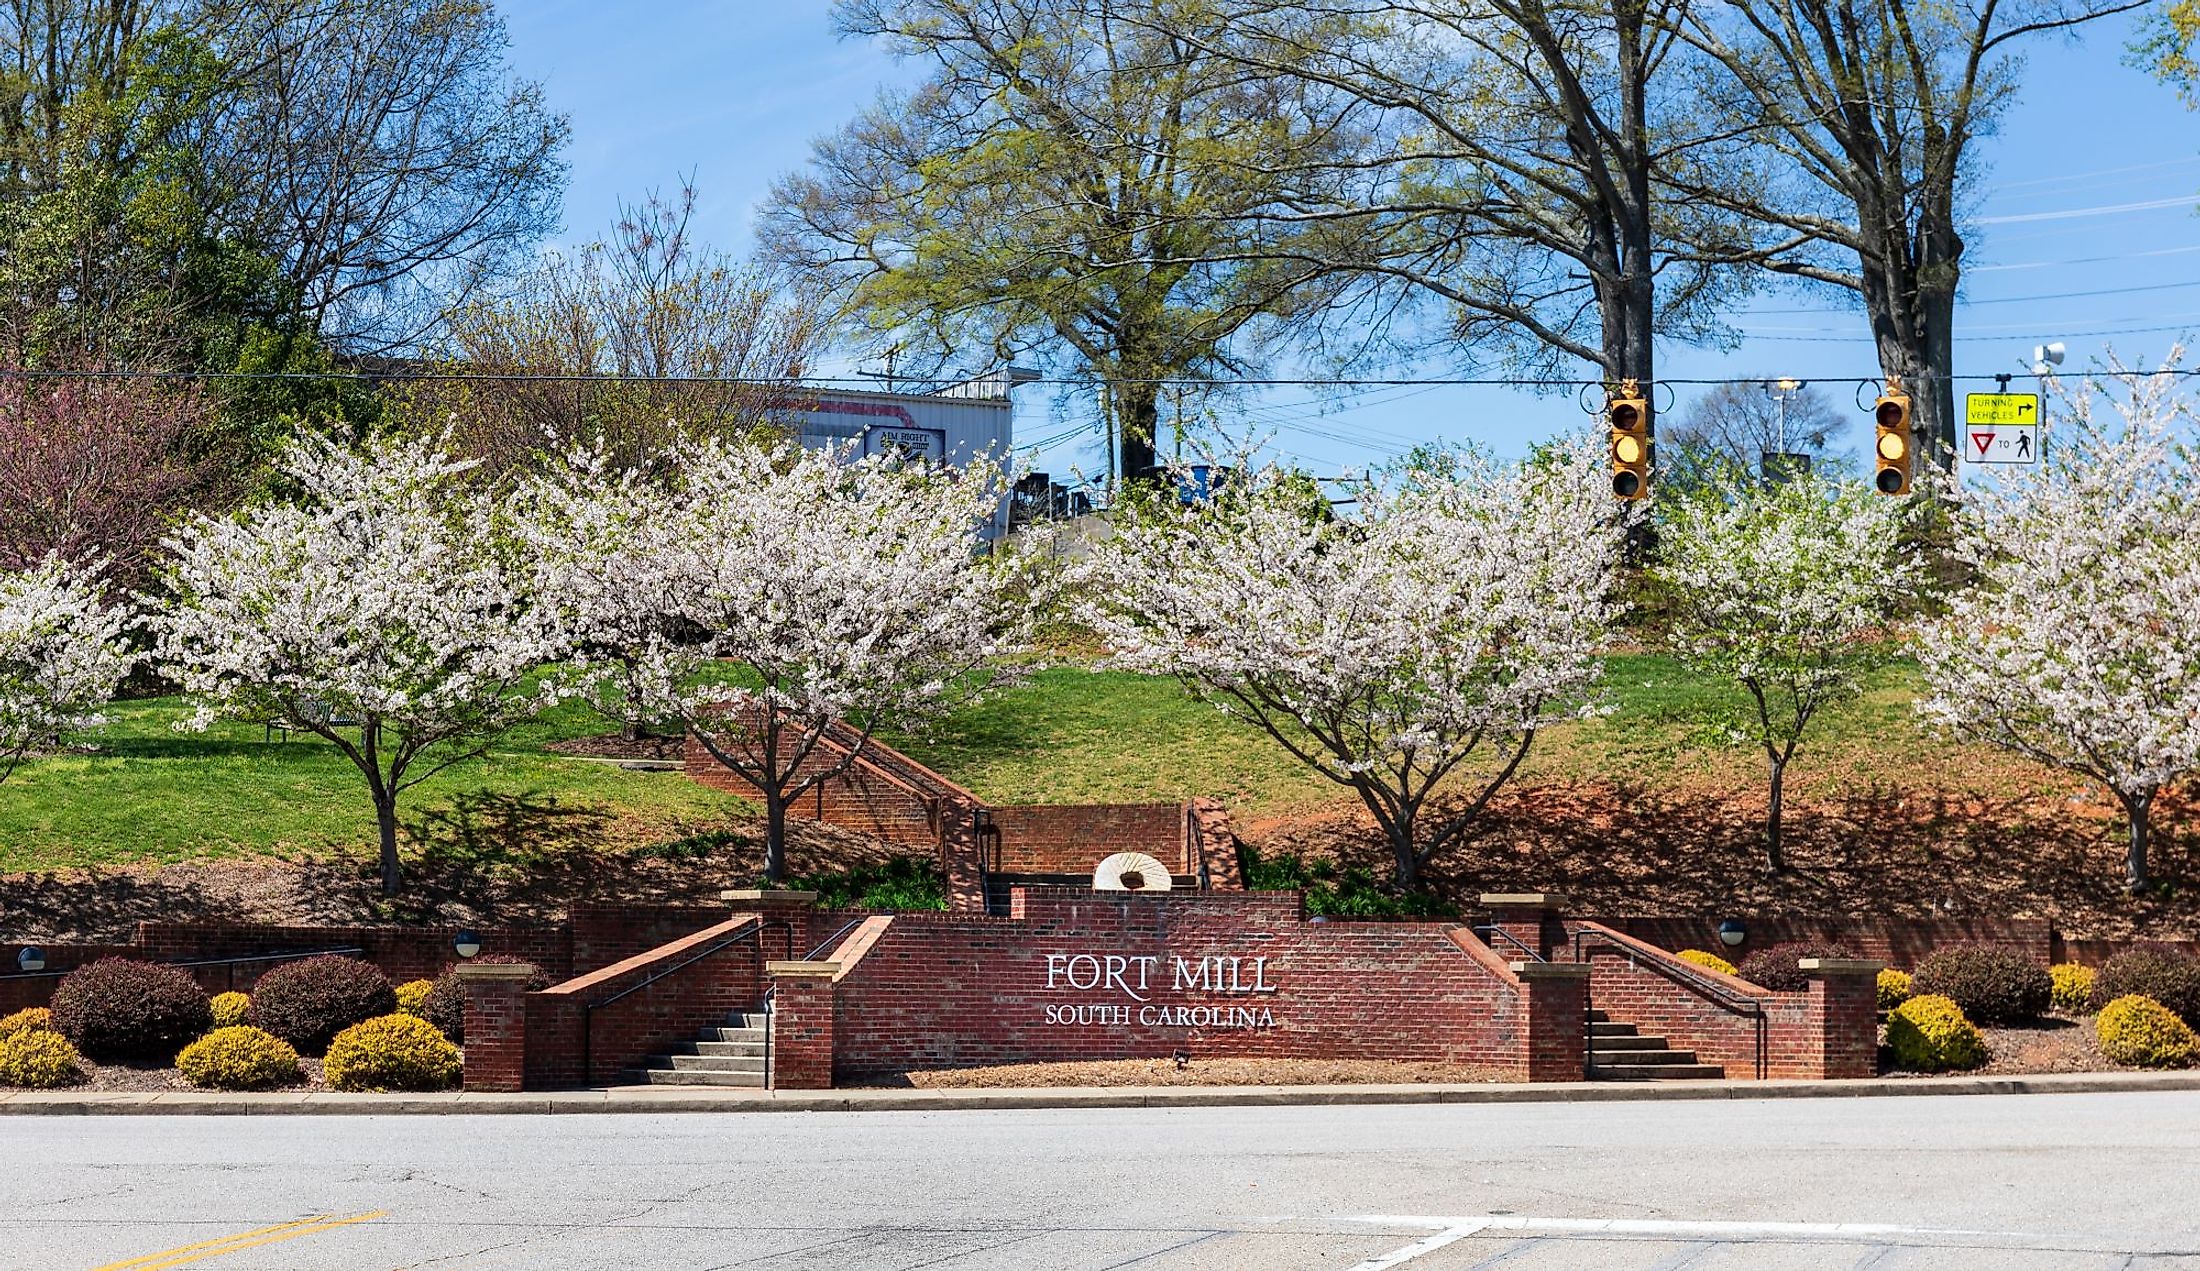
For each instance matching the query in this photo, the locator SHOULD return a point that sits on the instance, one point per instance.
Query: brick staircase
(730, 1054)
(1620, 1052)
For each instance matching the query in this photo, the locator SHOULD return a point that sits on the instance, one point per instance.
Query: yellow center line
(243, 1240)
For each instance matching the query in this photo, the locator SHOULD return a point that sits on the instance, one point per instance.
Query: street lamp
(1780, 390)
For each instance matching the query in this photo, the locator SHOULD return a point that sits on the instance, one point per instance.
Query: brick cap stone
(1546, 899)
(768, 896)
(802, 970)
(1551, 970)
(1842, 966)
(494, 971)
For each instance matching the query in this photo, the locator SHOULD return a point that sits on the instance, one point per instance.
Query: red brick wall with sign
(941, 990)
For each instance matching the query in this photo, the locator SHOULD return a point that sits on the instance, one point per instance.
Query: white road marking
(1459, 1229)
(1673, 1227)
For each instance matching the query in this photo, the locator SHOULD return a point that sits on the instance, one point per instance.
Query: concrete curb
(659, 1099)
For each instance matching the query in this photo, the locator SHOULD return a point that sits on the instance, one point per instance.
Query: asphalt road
(2055, 1181)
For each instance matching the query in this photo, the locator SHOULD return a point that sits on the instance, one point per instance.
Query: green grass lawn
(151, 793)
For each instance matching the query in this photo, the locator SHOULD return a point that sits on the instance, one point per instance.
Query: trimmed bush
(29, 1019)
(229, 1009)
(411, 994)
(1930, 1034)
(38, 1058)
(2143, 1033)
(1708, 961)
(308, 1002)
(445, 1005)
(1992, 983)
(395, 1052)
(1775, 967)
(2073, 988)
(1894, 988)
(239, 1057)
(2169, 976)
(119, 1011)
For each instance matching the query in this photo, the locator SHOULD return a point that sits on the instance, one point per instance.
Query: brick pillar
(496, 1024)
(1844, 1016)
(1218, 845)
(1532, 918)
(962, 854)
(1554, 1020)
(789, 930)
(802, 1024)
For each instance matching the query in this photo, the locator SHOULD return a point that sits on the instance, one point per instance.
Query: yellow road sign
(2001, 408)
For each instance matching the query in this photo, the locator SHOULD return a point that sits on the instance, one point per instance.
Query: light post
(1781, 466)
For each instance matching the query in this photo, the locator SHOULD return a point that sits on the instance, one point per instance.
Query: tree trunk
(775, 836)
(1138, 407)
(1775, 855)
(2138, 811)
(385, 818)
(1401, 846)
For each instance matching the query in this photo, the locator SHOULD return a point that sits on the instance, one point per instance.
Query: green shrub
(1994, 984)
(445, 1004)
(395, 1052)
(1708, 961)
(905, 883)
(2073, 987)
(119, 1011)
(2143, 1033)
(308, 1002)
(1929, 1033)
(239, 1057)
(230, 1008)
(37, 1059)
(1776, 967)
(29, 1019)
(2168, 975)
(1334, 891)
(411, 994)
(1895, 988)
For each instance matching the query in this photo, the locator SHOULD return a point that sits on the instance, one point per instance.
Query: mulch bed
(2051, 1045)
(614, 746)
(124, 1079)
(1196, 1072)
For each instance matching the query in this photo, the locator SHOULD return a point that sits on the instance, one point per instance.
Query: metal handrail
(589, 1009)
(1681, 973)
(1492, 929)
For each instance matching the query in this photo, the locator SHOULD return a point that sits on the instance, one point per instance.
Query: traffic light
(1894, 450)
(1629, 419)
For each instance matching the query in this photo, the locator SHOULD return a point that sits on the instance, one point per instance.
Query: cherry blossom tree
(846, 594)
(2080, 645)
(380, 606)
(1414, 649)
(62, 652)
(1786, 589)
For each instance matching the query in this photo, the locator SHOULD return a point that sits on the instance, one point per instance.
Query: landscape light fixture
(1732, 932)
(466, 943)
(30, 958)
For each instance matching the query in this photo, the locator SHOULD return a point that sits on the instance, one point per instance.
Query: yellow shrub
(2144, 1033)
(2073, 992)
(229, 1009)
(411, 994)
(29, 1019)
(1930, 1034)
(391, 1052)
(238, 1057)
(1708, 961)
(1894, 988)
(38, 1058)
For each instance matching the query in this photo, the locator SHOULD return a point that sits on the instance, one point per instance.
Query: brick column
(496, 1024)
(1217, 844)
(962, 850)
(1529, 917)
(1554, 1020)
(794, 909)
(802, 1024)
(1844, 1015)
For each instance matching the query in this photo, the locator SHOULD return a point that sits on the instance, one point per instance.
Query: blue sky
(735, 92)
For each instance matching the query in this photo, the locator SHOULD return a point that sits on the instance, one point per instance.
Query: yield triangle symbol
(1984, 441)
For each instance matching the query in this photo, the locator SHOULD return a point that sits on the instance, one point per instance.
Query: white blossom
(1787, 590)
(2080, 645)
(377, 606)
(1430, 636)
(62, 653)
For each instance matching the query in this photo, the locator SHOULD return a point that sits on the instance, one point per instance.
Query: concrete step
(1641, 1058)
(1606, 1028)
(736, 1050)
(1599, 1017)
(709, 1063)
(1655, 1072)
(697, 1077)
(748, 1019)
(1629, 1041)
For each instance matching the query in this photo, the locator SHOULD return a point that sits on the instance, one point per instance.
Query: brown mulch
(615, 746)
(122, 1078)
(1197, 1072)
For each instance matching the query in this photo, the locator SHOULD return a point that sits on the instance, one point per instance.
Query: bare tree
(1736, 425)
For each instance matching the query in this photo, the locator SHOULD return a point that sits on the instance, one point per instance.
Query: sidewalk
(661, 1099)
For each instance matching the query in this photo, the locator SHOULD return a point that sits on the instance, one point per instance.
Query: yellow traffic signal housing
(1894, 448)
(1628, 417)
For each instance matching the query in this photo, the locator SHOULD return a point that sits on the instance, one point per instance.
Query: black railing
(231, 964)
(753, 930)
(1491, 933)
(1588, 942)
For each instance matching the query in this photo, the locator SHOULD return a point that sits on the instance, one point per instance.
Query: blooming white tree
(61, 654)
(1426, 640)
(1785, 589)
(841, 591)
(380, 607)
(2080, 645)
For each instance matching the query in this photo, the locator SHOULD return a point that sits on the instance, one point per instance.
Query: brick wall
(1074, 839)
(947, 990)
(1900, 943)
(701, 978)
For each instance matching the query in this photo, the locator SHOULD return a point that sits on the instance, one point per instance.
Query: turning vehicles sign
(2001, 427)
